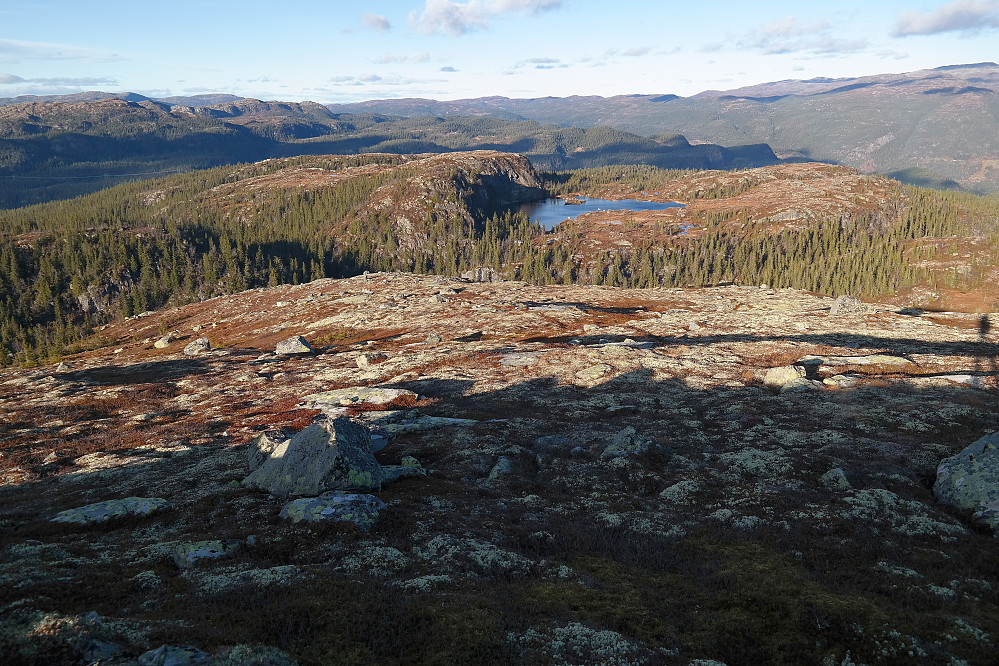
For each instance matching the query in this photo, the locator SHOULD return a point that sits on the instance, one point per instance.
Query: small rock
(835, 479)
(594, 372)
(434, 339)
(345, 397)
(163, 342)
(365, 361)
(292, 346)
(547, 443)
(171, 655)
(187, 554)
(780, 377)
(502, 468)
(103, 511)
(362, 510)
(198, 346)
(50, 458)
(627, 443)
(847, 305)
(523, 360)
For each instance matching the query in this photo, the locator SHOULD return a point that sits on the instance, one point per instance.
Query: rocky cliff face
(578, 474)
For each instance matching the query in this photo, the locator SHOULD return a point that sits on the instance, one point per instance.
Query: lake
(553, 211)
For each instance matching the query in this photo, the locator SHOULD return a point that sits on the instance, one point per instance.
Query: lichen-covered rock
(780, 377)
(293, 345)
(335, 455)
(970, 480)
(163, 342)
(410, 467)
(847, 305)
(835, 479)
(261, 448)
(594, 372)
(627, 443)
(187, 554)
(362, 510)
(373, 395)
(253, 655)
(103, 511)
(425, 423)
(198, 346)
(173, 655)
(502, 468)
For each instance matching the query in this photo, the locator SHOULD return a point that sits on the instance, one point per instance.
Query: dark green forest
(67, 267)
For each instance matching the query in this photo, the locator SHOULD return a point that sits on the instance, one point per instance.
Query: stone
(345, 397)
(523, 360)
(434, 339)
(188, 554)
(253, 655)
(867, 359)
(627, 442)
(293, 345)
(261, 448)
(101, 512)
(847, 305)
(198, 346)
(594, 372)
(172, 655)
(360, 509)
(365, 361)
(163, 342)
(842, 381)
(502, 468)
(801, 384)
(835, 479)
(410, 467)
(335, 455)
(779, 377)
(424, 423)
(970, 480)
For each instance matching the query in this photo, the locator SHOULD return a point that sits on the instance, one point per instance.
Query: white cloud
(636, 51)
(376, 22)
(959, 16)
(789, 36)
(391, 58)
(13, 51)
(458, 18)
(58, 82)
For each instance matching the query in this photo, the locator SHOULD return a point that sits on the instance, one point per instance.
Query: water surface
(553, 211)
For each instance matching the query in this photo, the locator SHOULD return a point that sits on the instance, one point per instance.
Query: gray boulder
(188, 554)
(847, 305)
(101, 512)
(163, 342)
(627, 443)
(292, 346)
(198, 346)
(780, 377)
(335, 455)
(362, 510)
(970, 480)
(172, 655)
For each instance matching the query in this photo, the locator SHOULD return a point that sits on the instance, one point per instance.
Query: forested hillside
(67, 267)
(58, 150)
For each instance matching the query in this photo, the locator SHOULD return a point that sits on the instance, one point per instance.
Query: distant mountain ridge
(943, 121)
(52, 150)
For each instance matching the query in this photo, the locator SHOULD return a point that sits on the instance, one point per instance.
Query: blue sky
(338, 51)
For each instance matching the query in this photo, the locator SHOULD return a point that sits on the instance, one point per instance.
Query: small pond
(553, 211)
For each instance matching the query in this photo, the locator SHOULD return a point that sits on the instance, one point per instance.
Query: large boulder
(970, 480)
(846, 304)
(334, 455)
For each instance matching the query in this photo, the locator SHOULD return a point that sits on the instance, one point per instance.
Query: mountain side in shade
(52, 150)
(944, 122)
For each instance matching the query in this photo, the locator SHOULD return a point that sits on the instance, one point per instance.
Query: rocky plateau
(510, 474)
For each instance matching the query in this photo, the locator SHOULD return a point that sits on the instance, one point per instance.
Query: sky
(337, 51)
